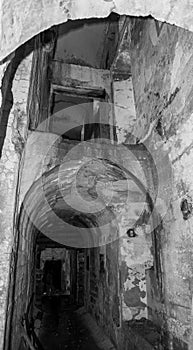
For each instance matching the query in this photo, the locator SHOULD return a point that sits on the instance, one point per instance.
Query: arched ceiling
(23, 19)
(80, 205)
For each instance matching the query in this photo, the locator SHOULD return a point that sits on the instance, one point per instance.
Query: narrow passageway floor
(61, 329)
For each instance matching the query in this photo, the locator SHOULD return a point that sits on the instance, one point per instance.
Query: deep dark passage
(52, 274)
(61, 328)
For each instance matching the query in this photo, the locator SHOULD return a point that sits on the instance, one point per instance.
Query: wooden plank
(39, 91)
(79, 90)
(74, 76)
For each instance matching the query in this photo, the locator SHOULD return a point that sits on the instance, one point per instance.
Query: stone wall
(162, 66)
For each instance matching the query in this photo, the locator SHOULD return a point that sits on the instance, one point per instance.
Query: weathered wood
(39, 92)
(74, 76)
(104, 120)
(78, 90)
(111, 41)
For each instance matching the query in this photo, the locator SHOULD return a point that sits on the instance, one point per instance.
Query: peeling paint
(169, 63)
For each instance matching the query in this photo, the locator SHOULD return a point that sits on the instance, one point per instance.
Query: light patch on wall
(176, 65)
(125, 113)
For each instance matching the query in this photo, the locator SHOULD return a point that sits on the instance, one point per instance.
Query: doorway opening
(52, 276)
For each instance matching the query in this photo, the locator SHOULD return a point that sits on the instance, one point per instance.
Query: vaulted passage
(68, 237)
(86, 268)
(53, 319)
(96, 202)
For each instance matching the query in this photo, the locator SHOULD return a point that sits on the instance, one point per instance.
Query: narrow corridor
(61, 328)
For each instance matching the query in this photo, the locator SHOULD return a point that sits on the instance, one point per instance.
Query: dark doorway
(52, 275)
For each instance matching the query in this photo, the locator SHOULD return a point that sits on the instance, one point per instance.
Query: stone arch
(17, 29)
(50, 193)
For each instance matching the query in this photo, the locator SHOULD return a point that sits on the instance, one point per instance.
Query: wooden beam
(69, 89)
(66, 78)
(39, 91)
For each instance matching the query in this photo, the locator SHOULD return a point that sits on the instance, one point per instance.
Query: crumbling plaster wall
(136, 253)
(162, 65)
(135, 259)
(9, 179)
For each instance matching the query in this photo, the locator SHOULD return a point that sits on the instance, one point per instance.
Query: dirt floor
(61, 328)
